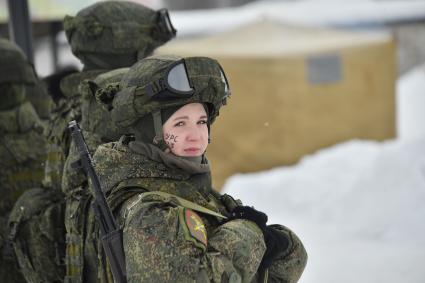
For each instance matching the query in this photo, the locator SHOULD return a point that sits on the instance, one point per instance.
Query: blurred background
(323, 131)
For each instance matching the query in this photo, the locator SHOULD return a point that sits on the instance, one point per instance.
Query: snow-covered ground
(359, 206)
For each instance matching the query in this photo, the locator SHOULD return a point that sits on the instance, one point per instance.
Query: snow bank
(411, 104)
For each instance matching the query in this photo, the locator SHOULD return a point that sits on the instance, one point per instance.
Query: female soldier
(176, 227)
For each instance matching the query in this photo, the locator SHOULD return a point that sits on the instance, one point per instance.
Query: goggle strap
(154, 88)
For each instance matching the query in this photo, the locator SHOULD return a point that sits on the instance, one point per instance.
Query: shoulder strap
(183, 202)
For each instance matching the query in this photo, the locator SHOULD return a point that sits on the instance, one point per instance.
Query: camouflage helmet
(127, 30)
(14, 66)
(162, 82)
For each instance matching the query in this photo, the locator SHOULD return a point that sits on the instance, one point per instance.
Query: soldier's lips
(192, 150)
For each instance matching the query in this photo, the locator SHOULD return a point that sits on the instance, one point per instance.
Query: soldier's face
(186, 131)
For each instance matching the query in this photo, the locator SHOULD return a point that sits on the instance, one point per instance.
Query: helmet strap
(159, 133)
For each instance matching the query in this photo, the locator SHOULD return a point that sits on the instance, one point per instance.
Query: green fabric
(22, 153)
(133, 103)
(39, 98)
(289, 266)
(67, 109)
(176, 256)
(11, 95)
(9, 271)
(114, 34)
(38, 241)
(95, 118)
(181, 202)
(147, 196)
(14, 66)
(20, 119)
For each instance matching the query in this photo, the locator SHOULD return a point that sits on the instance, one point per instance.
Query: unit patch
(193, 226)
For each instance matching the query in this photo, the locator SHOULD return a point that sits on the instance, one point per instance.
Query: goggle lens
(178, 80)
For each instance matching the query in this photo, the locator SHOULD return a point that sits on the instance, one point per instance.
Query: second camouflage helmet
(117, 28)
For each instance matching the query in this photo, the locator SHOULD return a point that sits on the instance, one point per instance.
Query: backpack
(37, 235)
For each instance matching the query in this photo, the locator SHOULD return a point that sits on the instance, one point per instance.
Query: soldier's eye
(202, 122)
(179, 124)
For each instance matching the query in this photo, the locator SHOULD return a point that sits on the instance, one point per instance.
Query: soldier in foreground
(176, 228)
(22, 146)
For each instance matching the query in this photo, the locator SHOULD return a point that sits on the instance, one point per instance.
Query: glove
(250, 213)
(276, 242)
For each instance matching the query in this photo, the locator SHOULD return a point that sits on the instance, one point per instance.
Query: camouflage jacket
(167, 240)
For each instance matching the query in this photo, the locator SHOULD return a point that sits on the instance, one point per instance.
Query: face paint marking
(170, 139)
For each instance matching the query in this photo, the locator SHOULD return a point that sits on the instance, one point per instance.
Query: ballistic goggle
(177, 83)
(164, 24)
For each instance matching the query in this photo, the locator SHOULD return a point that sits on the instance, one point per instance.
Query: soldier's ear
(105, 95)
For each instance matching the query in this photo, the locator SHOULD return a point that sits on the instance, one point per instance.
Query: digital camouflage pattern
(39, 213)
(133, 102)
(22, 151)
(58, 138)
(160, 231)
(157, 245)
(69, 105)
(40, 99)
(50, 219)
(97, 129)
(22, 145)
(116, 34)
(160, 244)
(106, 35)
(15, 69)
(288, 266)
(93, 35)
(22, 155)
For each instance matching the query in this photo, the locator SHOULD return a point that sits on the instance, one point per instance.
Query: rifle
(111, 235)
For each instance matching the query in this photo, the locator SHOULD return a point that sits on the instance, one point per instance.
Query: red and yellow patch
(195, 226)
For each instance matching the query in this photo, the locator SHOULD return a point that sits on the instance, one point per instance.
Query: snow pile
(359, 206)
(411, 104)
